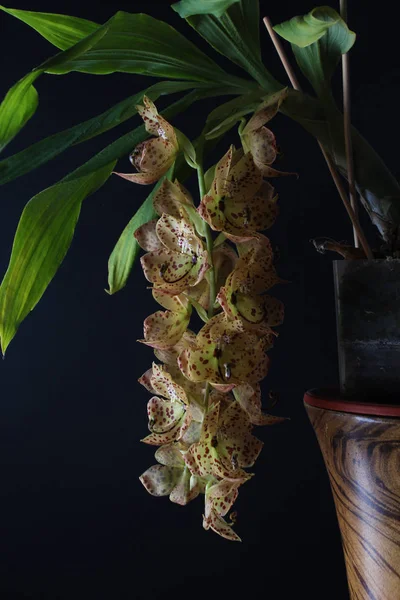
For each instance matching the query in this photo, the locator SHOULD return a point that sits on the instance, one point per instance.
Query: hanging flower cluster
(205, 393)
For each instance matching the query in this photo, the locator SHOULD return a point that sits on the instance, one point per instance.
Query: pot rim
(330, 399)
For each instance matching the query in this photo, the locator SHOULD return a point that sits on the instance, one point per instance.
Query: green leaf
(141, 44)
(43, 237)
(60, 30)
(318, 41)
(186, 146)
(307, 29)
(127, 249)
(226, 115)
(43, 151)
(17, 108)
(21, 101)
(236, 35)
(187, 8)
(248, 14)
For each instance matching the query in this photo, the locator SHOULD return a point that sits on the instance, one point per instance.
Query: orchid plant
(208, 258)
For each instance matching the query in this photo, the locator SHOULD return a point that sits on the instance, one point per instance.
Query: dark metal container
(368, 328)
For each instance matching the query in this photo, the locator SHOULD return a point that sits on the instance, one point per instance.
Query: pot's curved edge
(330, 399)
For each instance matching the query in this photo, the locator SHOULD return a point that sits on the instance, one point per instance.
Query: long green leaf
(127, 249)
(235, 35)
(318, 40)
(60, 30)
(43, 237)
(141, 44)
(17, 108)
(21, 101)
(43, 151)
(247, 12)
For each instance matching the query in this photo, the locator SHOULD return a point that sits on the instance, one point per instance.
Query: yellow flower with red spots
(152, 158)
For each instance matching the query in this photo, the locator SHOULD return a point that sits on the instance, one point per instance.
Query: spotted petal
(163, 414)
(170, 456)
(244, 179)
(169, 356)
(167, 270)
(221, 173)
(164, 328)
(145, 380)
(257, 213)
(211, 209)
(220, 526)
(262, 146)
(209, 456)
(155, 123)
(265, 112)
(249, 398)
(235, 434)
(171, 198)
(218, 501)
(173, 303)
(175, 433)
(185, 489)
(179, 236)
(152, 159)
(159, 480)
(164, 385)
(147, 238)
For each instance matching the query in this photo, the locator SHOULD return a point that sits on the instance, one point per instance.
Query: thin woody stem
(335, 176)
(347, 125)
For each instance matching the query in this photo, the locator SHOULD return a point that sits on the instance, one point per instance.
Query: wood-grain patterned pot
(360, 443)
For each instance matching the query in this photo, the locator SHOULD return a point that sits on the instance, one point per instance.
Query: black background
(75, 521)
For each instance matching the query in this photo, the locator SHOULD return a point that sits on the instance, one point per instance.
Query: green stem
(211, 272)
(209, 242)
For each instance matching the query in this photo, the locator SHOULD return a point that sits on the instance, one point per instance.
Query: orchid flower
(226, 446)
(257, 312)
(164, 329)
(153, 157)
(255, 267)
(170, 413)
(249, 398)
(171, 477)
(176, 258)
(219, 498)
(172, 199)
(239, 201)
(169, 356)
(225, 355)
(259, 140)
(224, 259)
